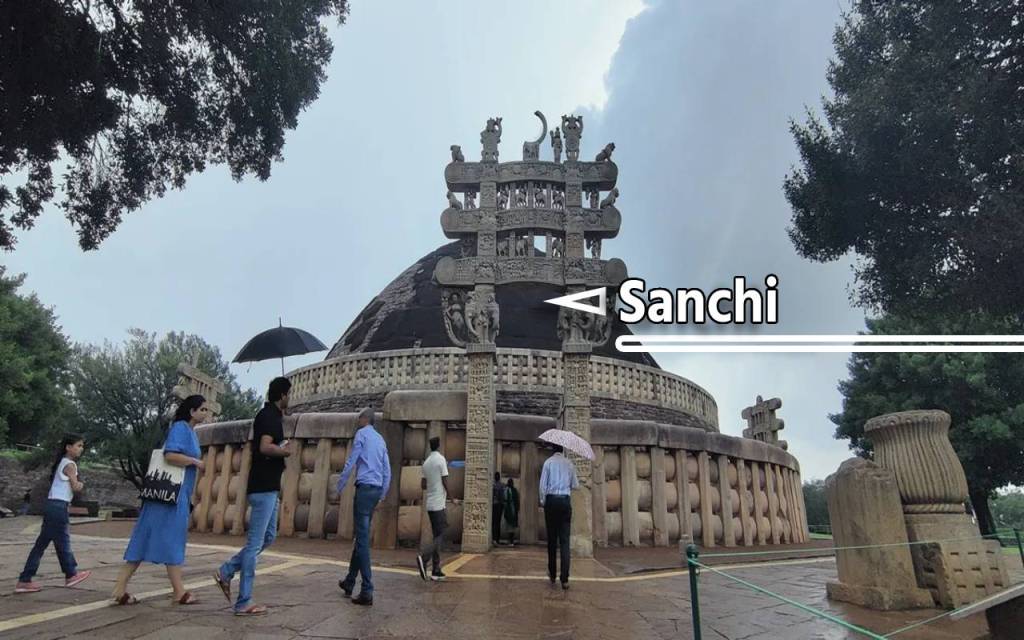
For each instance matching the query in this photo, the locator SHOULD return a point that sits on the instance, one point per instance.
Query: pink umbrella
(569, 441)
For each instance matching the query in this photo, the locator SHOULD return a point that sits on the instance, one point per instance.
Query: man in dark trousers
(557, 480)
(269, 449)
(435, 486)
(372, 469)
(497, 507)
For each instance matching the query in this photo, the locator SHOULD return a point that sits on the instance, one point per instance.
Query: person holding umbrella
(557, 480)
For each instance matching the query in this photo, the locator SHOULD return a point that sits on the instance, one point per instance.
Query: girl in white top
(55, 518)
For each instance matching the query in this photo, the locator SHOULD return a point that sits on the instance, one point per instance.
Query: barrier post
(691, 558)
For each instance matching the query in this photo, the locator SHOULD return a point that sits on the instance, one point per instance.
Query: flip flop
(252, 610)
(126, 599)
(224, 585)
(188, 598)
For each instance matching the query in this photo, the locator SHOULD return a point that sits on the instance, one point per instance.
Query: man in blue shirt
(369, 458)
(557, 480)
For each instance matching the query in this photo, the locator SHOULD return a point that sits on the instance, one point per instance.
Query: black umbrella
(279, 342)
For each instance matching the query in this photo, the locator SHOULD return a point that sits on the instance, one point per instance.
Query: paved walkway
(504, 594)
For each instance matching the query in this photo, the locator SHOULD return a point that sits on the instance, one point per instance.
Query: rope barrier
(849, 548)
(802, 607)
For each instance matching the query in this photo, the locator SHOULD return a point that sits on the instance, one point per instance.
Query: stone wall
(653, 482)
(534, 403)
(106, 487)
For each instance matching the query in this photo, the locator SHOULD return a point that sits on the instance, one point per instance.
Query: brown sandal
(188, 598)
(224, 585)
(252, 610)
(126, 599)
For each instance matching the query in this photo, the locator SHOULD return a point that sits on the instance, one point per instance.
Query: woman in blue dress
(159, 535)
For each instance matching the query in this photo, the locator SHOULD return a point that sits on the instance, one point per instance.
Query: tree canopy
(982, 392)
(918, 168)
(136, 96)
(122, 393)
(34, 358)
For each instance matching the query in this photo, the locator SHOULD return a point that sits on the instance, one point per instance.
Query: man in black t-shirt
(269, 449)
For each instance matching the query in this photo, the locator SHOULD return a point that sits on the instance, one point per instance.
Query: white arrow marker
(570, 301)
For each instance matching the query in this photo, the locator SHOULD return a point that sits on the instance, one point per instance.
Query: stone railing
(445, 368)
(652, 483)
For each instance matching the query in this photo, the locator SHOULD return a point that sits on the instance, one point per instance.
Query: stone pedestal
(864, 508)
(576, 367)
(960, 567)
(476, 515)
(961, 570)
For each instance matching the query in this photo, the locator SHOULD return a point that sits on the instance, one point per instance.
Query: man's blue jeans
(55, 529)
(366, 499)
(261, 534)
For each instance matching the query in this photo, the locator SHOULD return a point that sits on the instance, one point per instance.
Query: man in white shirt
(435, 483)
(557, 480)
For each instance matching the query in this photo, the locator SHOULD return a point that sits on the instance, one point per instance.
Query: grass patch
(15, 454)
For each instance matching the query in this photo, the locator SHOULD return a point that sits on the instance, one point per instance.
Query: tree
(982, 392)
(919, 169)
(122, 393)
(816, 503)
(34, 358)
(1008, 510)
(136, 96)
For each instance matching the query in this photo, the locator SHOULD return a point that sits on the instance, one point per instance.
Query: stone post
(864, 508)
(476, 514)
(576, 363)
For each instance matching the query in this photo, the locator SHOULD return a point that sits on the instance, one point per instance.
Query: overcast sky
(697, 97)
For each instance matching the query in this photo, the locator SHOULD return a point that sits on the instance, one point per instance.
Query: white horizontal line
(816, 338)
(821, 344)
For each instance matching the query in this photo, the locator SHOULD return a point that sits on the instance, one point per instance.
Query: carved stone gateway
(520, 202)
(762, 424)
(960, 566)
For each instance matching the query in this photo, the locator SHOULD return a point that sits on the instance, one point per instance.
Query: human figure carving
(489, 138)
(453, 308)
(595, 196)
(572, 128)
(453, 202)
(594, 244)
(471, 200)
(556, 144)
(609, 200)
(457, 154)
(503, 198)
(606, 153)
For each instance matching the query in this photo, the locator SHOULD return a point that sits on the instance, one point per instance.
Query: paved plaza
(503, 594)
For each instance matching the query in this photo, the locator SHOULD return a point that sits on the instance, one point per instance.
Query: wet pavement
(622, 593)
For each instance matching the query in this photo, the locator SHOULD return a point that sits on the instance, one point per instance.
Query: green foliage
(816, 503)
(34, 358)
(982, 392)
(918, 169)
(122, 393)
(137, 96)
(1008, 510)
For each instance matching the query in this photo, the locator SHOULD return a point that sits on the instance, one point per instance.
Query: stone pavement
(503, 594)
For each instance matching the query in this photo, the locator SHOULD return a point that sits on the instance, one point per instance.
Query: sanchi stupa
(461, 345)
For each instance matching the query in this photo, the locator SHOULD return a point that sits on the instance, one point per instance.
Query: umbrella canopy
(569, 441)
(279, 342)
